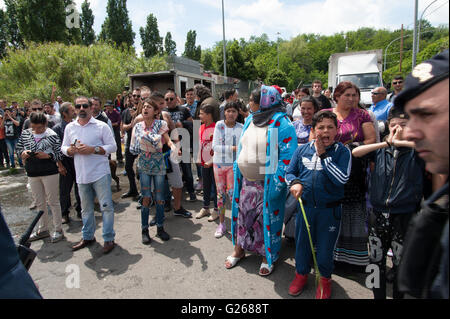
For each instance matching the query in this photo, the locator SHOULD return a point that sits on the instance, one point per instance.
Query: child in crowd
(208, 116)
(395, 192)
(225, 141)
(317, 173)
(308, 107)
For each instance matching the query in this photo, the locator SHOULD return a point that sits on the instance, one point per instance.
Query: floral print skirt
(250, 224)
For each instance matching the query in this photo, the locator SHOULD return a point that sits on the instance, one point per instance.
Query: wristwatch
(97, 150)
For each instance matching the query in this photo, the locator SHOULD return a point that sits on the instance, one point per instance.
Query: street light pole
(224, 43)
(278, 51)
(420, 23)
(414, 53)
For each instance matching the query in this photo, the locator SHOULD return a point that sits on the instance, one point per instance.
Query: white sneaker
(203, 213)
(57, 236)
(214, 215)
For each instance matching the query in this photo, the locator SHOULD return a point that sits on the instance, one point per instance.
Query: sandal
(265, 266)
(233, 261)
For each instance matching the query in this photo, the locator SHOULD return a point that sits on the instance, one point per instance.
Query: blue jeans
(11, 145)
(146, 191)
(101, 188)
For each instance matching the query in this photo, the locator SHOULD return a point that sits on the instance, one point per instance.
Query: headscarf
(270, 103)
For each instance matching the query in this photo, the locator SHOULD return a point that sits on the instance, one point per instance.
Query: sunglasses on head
(37, 109)
(169, 99)
(376, 93)
(79, 106)
(398, 82)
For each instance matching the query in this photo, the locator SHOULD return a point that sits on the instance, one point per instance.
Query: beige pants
(46, 190)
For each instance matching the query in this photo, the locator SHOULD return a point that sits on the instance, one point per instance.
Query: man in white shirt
(52, 115)
(89, 142)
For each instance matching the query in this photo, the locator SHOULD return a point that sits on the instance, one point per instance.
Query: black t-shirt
(12, 132)
(127, 119)
(324, 103)
(179, 114)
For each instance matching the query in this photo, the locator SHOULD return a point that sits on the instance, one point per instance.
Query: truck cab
(363, 68)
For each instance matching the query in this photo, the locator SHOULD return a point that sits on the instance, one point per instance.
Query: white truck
(363, 68)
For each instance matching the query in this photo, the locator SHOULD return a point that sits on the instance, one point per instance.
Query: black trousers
(3, 152)
(65, 187)
(387, 231)
(129, 162)
(209, 187)
(186, 169)
(119, 155)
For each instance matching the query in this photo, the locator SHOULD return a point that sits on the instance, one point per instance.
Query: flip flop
(233, 261)
(265, 266)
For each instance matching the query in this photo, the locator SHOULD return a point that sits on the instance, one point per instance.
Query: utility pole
(414, 55)
(224, 43)
(401, 51)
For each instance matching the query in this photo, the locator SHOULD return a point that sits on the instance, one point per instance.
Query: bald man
(380, 105)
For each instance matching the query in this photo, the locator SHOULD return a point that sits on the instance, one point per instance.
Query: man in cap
(424, 269)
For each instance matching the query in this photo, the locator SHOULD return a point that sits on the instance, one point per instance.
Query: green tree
(277, 77)
(150, 40)
(87, 23)
(97, 70)
(192, 51)
(73, 32)
(117, 27)
(14, 36)
(170, 46)
(207, 60)
(42, 20)
(3, 34)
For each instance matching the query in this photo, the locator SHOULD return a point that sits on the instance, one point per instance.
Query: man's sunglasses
(79, 106)
(169, 99)
(136, 96)
(399, 82)
(37, 109)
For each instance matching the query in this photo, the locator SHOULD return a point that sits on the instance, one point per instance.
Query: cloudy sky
(244, 18)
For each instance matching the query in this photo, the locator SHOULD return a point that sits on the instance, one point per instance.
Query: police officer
(423, 271)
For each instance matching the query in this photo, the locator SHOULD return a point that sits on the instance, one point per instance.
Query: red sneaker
(297, 285)
(324, 289)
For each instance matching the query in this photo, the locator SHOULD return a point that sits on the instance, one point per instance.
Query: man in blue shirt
(191, 102)
(380, 105)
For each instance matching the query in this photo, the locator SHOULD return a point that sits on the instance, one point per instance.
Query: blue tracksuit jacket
(323, 179)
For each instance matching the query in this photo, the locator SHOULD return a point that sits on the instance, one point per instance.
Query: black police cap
(422, 77)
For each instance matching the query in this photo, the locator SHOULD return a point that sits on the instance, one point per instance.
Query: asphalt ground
(188, 266)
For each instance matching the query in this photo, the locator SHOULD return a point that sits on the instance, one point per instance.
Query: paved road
(189, 265)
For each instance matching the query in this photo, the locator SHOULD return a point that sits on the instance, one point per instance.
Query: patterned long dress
(267, 196)
(352, 247)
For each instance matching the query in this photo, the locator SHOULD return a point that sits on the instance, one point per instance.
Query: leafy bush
(97, 70)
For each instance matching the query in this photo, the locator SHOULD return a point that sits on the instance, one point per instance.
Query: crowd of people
(355, 174)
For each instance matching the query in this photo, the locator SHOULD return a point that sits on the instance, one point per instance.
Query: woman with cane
(316, 176)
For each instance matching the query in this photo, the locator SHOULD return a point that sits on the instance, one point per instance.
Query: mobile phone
(75, 142)
(31, 153)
